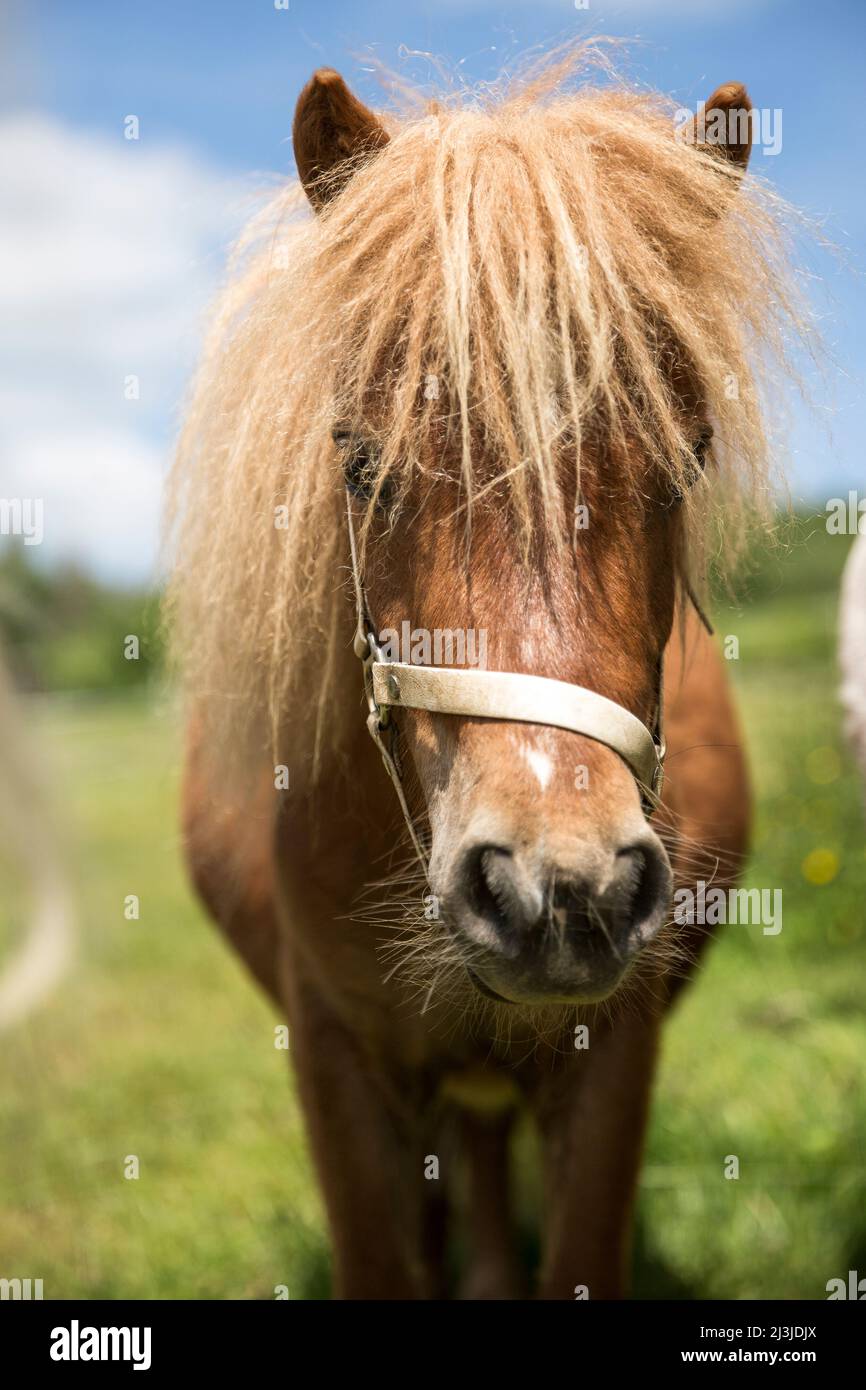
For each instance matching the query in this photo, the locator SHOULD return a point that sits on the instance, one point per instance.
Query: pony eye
(360, 466)
(700, 447)
(695, 466)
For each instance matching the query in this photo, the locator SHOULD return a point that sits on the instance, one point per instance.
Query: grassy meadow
(157, 1045)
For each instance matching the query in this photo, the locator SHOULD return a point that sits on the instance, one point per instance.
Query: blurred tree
(63, 630)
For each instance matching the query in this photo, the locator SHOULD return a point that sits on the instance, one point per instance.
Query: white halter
(495, 695)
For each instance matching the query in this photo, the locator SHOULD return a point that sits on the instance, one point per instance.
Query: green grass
(157, 1045)
(764, 1057)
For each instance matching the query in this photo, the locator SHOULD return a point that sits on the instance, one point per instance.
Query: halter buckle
(369, 651)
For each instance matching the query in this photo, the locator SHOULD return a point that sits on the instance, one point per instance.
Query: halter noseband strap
(525, 699)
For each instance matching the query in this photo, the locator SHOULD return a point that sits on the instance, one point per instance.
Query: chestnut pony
(519, 333)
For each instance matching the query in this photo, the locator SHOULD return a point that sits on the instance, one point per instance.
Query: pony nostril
(643, 888)
(500, 896)
(489, 883)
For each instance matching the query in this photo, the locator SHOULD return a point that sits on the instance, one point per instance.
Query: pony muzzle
(535, 932)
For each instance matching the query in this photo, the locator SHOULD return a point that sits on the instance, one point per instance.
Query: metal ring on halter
(368, 649)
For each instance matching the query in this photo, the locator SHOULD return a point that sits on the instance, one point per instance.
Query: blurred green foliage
(62, 630)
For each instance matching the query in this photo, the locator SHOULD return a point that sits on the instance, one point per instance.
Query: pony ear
(724, 126)
(332, 130)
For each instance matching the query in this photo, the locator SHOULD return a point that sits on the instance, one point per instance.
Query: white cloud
(100, 489)
(108, 255)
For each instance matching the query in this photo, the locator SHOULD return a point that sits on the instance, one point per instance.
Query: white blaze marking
(541, 765)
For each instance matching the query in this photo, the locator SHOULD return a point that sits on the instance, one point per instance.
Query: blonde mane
(542, 255)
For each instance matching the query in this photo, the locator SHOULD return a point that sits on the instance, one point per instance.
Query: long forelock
(517, 278)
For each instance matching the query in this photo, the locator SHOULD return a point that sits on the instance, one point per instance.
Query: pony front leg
(592, 1121)
(372, 1179)
(493, 1269)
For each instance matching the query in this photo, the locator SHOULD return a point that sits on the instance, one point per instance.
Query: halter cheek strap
(503, 695)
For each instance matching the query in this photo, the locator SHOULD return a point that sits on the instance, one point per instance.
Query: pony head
(525, 331)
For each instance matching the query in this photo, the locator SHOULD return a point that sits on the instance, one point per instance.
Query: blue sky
(112, 249)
